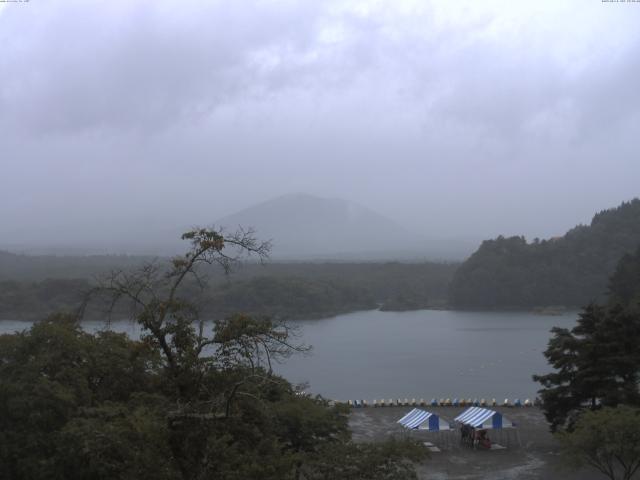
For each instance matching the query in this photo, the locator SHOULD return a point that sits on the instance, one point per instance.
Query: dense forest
(503, 273)
(32, 287)
(25, 268)
(597, 362)
(624, 284)
(571, 270)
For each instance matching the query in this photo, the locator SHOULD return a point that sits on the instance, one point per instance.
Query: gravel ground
(531, 454)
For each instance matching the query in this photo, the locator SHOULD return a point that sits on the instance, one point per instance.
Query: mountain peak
(305, 225)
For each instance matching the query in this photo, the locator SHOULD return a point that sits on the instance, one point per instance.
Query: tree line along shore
(189, 401)
(504, 273)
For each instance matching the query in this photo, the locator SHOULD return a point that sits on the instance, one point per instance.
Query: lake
(425, 354)
(422, 354)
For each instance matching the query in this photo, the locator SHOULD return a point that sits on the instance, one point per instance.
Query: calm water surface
(427, 353)
(421, 354)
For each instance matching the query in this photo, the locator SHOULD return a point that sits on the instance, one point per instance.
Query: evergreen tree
(597, 363)
(624, 284)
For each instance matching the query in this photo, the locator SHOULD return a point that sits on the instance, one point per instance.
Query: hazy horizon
(300, 228)
(120, 121)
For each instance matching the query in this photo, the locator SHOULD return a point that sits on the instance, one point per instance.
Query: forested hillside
(18, 267)
(571, 270)
(33, 287)
(624, 284)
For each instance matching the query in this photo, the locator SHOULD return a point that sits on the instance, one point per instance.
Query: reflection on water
(422, 354)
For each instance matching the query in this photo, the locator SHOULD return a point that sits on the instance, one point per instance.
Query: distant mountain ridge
(302, 225)
(570, 270)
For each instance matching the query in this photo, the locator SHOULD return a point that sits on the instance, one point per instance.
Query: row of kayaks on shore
(443, 403)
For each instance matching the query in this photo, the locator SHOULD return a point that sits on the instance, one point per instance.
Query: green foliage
(55, 378)
(180, 403)
(33, 300)
(36, 268)
(596, 363)
(607, 440)
(115, 440)
(570, 270)
(391, 460)
(296, 291)
(624, 284)
(101, 406)
(291, 297)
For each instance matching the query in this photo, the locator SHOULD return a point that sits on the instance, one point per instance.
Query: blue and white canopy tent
(423, 421)
(418, 419)
(484, 419)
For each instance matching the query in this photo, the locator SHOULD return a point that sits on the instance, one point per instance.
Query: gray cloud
(142, 65)
(124, 118)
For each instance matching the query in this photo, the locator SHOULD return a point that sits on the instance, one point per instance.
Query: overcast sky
(453, 118)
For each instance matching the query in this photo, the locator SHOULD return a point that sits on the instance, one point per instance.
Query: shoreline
(551, 310)
(536, 456)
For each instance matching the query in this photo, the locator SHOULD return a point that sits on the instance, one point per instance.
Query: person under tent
(483, 440)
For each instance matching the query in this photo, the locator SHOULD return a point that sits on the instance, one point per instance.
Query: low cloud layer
(120, 119)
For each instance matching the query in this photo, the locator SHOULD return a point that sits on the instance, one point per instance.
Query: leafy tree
(115, 440)
(56, 378)
(171, 322)
(607, 440)
(180, 403)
